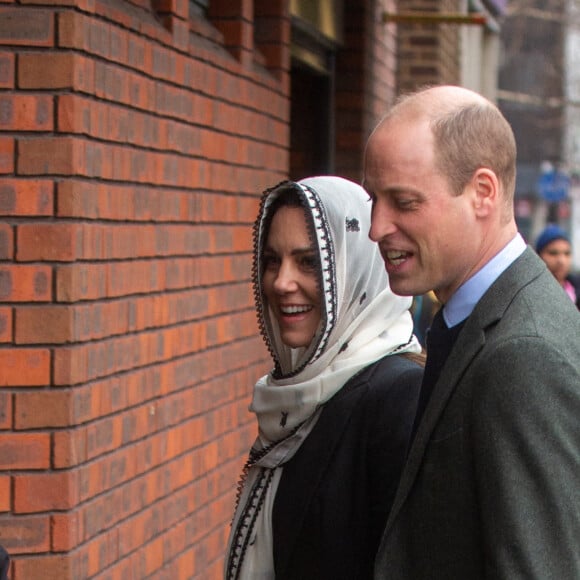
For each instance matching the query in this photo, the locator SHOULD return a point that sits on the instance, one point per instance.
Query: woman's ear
(487, 192)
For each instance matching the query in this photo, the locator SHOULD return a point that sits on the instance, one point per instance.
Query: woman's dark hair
(287, 196)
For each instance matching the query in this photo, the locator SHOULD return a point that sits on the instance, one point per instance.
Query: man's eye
(404, 203)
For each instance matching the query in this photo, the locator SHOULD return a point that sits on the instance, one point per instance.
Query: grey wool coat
(491, 488)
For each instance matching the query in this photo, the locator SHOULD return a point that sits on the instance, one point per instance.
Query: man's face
(428, 236)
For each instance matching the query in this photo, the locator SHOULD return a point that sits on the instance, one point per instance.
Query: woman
(554, 247)
(336, 412)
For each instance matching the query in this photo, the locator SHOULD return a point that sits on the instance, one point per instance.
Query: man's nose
(382, 223)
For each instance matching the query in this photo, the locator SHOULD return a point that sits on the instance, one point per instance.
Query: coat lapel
(471, 340)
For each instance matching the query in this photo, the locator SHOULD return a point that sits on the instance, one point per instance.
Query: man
(554, 247)
(491, 488)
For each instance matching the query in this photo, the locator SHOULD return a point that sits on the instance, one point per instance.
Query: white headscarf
(362, 322)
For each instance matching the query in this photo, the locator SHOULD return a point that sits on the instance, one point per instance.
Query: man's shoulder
(526, 301)
(526, 283)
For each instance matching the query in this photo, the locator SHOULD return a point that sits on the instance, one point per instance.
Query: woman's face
(558, 258)
(290, 277)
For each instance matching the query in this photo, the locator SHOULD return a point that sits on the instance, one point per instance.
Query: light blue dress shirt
(462, 303)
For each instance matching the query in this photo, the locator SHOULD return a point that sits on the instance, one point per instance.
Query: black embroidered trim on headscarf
(248, 520)
(252, 507)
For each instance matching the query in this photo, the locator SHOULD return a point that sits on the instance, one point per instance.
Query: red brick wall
(365, 80)
(428, 53)
(134, 142)
(382, 65)
(133, 146)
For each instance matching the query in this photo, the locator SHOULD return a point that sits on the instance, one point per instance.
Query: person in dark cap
(553, 246)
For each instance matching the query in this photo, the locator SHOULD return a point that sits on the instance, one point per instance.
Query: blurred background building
(539, 92)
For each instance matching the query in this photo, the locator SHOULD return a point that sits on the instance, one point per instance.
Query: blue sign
(553, 186)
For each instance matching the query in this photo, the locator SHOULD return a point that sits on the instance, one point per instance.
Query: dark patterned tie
(440, 341)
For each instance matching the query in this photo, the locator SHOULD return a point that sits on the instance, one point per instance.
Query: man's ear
(486, 191)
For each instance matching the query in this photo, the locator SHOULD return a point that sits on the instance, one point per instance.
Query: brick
(50, 324)
(47, 70)
(26, 197)
(24, 367)
(177, 7)
(69, 448)
(48, 155)
(25, 535)
(42, 409)
(24, 451)
(67, 531)
(5, 324)
(6, 243)
(83, 281)
(48, 242)
(74, 30)
(26, 112)
(5, 411)
(34, 29)
(6, 70)
(6, 156)
(5, 493)
(47, 567)
(41, 492)
(25, 283)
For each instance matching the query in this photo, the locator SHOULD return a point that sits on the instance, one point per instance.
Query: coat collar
(487, 312)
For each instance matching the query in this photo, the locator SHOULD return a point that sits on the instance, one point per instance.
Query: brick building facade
(135, 137)
(428, 51)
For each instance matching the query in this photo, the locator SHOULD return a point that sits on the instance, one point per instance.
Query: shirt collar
(462, 303)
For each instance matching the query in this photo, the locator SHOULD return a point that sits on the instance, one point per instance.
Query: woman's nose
(285, 280)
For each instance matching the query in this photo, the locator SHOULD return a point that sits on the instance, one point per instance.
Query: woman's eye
(309, 263)
(271, 262)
